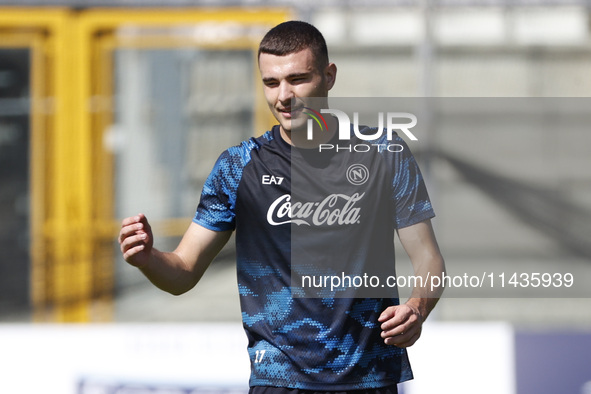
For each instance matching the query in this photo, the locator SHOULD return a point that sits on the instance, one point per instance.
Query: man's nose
(285, 92)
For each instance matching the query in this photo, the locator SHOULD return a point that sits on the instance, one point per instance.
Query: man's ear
(330, 73)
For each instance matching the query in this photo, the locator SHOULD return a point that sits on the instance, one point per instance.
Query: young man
(296, 343)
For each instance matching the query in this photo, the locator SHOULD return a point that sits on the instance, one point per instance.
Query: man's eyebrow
(296, 75)
(289, 76)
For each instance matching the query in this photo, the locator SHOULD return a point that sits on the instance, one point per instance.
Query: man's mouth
(291, 112)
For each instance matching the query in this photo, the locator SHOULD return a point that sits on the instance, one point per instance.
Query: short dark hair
(294, 36)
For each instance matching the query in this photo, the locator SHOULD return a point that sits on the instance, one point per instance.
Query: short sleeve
(409, 193)
(216, 209)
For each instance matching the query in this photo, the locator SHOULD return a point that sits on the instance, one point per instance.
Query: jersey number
(258, 356)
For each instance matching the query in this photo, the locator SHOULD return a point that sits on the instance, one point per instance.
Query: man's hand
(136, 240)
(401, 325)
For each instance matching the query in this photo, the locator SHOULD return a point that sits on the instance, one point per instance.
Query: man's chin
(293, 124)
(298, 123)
(285, 124)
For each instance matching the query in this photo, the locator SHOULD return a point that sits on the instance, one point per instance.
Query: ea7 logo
(272, 180)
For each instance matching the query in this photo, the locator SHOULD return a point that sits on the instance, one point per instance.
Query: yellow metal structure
(72, 222)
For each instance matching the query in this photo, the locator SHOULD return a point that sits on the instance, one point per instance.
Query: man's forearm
(425, 297)
(168, 272)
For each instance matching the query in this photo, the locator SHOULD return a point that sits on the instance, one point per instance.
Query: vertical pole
(71, 275)
(39, 172)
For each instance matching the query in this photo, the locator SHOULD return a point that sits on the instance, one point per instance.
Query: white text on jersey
(271, 180)
(335, 209)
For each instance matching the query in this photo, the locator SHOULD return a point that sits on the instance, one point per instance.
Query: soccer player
(318, 344)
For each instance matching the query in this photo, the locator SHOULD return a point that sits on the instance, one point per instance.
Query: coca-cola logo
(335, 209)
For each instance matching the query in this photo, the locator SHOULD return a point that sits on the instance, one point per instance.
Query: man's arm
(402, 324)
(175, 272)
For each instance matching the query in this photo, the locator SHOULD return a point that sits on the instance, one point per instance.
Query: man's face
(296, 75)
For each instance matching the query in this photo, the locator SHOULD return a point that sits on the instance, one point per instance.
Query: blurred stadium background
(110, 108)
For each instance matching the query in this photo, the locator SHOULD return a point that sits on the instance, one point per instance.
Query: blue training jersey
(314, 212)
